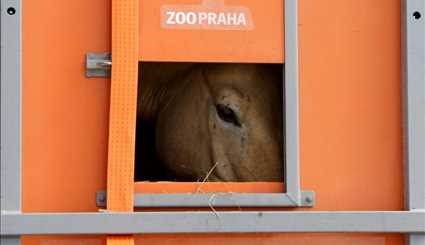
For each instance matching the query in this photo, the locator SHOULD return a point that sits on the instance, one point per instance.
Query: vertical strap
(122, 118)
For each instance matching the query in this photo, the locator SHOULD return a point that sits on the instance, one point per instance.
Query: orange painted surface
(251, 239)
(65, 115)
(262, 44)
(202, 187)
(350, 85)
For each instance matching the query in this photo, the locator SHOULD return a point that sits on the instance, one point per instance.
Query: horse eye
(227, 114)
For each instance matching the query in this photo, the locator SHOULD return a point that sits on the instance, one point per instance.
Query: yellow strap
(122, 118)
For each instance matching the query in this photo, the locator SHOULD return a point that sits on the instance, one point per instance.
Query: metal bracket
(98, 64)
(184, 200)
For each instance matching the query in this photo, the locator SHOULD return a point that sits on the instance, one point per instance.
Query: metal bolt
(11, 11)
(308, 200)
(417, 15)
(102, 198)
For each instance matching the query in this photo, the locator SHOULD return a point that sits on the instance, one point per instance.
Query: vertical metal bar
(292, 178)
(414, 105)
(10, 103)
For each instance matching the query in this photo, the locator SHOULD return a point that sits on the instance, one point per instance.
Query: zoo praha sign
(238, 31)
(210, 15)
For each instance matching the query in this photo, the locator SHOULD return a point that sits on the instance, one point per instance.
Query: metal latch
(98, 65)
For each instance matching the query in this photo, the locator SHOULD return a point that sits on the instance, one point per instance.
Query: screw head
(308, 200)
(417, 15)
(11, 11)
(102, 198)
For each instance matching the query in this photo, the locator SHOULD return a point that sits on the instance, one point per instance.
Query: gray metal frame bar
(10, 103)
(215, 200)
(10, 107)
(212, 222)
(292, 158)
(414, 107)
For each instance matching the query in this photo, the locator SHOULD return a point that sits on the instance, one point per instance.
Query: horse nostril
(227, 114)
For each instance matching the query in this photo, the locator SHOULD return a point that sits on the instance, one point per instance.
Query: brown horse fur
(225, 119)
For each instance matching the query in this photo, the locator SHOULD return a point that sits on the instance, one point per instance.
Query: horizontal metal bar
(215, 200)
(212, 222)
